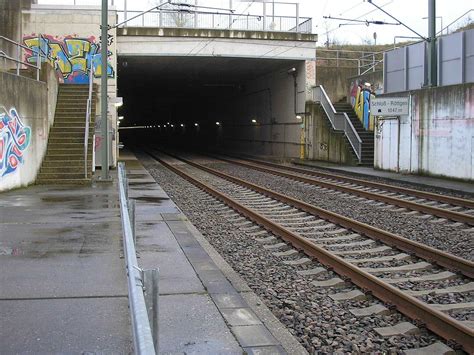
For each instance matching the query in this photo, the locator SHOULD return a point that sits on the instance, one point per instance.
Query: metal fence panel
(416, 66)
(395, 70)
(450, 55)
(469, 56)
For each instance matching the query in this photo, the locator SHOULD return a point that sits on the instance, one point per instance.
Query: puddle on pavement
(150, 199)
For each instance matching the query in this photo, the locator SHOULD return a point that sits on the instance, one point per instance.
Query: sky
(410, 12)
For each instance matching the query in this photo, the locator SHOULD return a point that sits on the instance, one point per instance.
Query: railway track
(352, 250)
(442, 206)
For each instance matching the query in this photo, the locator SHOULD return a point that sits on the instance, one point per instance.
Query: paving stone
(437, 348)
(253, 335)
(369, 311)
(404, 328)
(240, 316)
(265, 350)
(351, 295)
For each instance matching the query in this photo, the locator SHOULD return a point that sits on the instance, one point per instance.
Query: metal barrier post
(131, 212)
(38, 59)
(151, 301)
(297, 27)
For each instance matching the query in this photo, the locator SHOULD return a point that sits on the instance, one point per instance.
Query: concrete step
(66, 131)
(81, 181)
(62, 176)
(65, 169)
(67, 157)
(79, 164)
(68, 145)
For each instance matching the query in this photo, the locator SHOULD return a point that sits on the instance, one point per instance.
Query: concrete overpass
(253, 80)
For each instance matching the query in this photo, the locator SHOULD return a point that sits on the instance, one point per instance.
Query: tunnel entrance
(242, 104)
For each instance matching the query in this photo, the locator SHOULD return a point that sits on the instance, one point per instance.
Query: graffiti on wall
(70, 56)
(14, 140)
(360, 95)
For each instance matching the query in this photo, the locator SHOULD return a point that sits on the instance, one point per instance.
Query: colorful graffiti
(70, 56)
(14, 140)
(360, 101)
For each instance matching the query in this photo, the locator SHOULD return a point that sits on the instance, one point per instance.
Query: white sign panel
(389, 106)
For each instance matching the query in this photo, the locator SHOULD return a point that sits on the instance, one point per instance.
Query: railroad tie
(403, 328)
(376, 309)
(438, 348)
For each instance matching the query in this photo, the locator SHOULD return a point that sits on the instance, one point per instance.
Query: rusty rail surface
(436, 211)
(438, 322)
(456, 201)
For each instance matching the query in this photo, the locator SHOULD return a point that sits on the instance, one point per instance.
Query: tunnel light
(167, 123)
(254, 121)
(298, 117)
(159, 126)
(172, 125)
(218, 123)
(120, 118)
(196, 124)
(182, 124)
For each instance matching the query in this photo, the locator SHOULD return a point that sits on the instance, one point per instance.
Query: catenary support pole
(432, 55)
(103, 93)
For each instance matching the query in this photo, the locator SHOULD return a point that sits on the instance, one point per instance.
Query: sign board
(389, 106)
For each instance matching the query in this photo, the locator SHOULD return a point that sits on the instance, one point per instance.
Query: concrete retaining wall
(27, 110)
(326, 144)
(71, 35)
(436, 138)
(334, 81)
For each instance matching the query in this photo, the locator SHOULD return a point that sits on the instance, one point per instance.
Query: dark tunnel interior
(182, 101)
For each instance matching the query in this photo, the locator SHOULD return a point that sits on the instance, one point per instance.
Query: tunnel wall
(270, 100)
(27, 109)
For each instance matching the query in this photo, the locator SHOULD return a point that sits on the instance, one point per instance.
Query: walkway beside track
(205, 307)
(63, 285)
(63, 281)
(426, 181)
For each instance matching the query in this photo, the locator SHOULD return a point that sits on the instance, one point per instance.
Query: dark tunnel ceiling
(161, 86)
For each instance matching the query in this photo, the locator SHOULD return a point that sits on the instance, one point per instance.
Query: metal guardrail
(339, 120)
(142, 284)
(365, 61)
(210, 20)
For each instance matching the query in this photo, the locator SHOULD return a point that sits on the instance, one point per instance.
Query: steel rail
(423, 251)
(436, 211)
(438, 322)
(376, 185)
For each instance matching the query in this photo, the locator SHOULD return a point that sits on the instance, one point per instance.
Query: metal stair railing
(339, 120)
(40, 54)
(88, 119)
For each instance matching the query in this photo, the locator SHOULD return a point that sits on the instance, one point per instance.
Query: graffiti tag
(70, 56)
(14, 140)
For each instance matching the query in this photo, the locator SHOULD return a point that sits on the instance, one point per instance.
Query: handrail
(141, 330)
(39, 54)
(339, 120)
(234, 21)
(88, 118)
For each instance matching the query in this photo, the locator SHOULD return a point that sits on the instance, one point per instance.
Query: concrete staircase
(367, 137)
(64, 159)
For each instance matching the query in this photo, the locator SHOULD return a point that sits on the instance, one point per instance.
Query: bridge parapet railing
(206, 20)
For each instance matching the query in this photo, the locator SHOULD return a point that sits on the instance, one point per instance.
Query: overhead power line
(365, 22)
